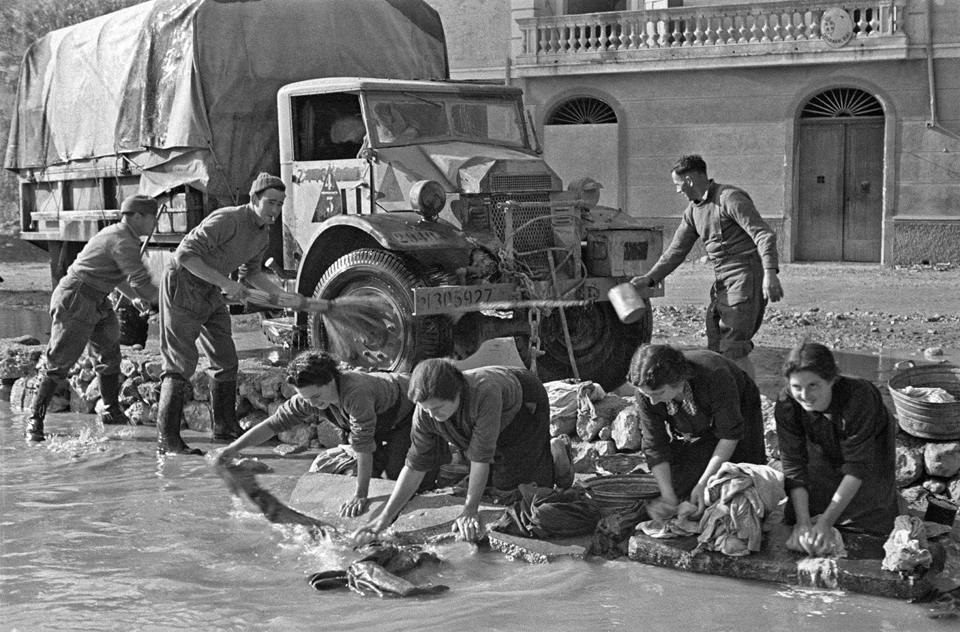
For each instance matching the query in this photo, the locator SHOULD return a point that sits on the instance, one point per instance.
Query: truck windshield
(409, 118)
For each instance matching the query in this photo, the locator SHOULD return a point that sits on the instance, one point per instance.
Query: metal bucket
(627, 302)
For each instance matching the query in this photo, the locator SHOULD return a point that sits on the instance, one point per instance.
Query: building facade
(841, 119)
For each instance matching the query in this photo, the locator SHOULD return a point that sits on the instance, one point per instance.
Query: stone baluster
(650, 34)
(544, 39)
(789, 27)
(744, 35)
(677, 34)
(813, 31)
(687, 34)
(592, 39)
(634, 41)
(663, 41)
(875, 23)
(861, 24)
(711, 36)
(698, 33)
(755, 32)
(765, 31)
(584, 40)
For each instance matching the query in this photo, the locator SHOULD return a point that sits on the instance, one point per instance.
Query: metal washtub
(939, 421)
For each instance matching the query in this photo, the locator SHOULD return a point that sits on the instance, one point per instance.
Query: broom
(348, 321)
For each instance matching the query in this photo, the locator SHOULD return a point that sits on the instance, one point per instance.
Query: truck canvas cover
(186, 89)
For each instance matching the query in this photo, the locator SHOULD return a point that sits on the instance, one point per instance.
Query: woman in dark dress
(697, 410)
(372, 409)
(837, 448)
(498, 416)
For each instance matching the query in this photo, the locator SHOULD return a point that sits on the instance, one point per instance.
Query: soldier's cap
(139, 204)
(584, 184)
(266, 181)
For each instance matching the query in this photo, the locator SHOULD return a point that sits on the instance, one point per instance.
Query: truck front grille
(532, 182)
(529, 236)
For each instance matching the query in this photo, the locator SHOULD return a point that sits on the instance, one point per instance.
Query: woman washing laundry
(697, 411)
(498, 416)
(837, 449)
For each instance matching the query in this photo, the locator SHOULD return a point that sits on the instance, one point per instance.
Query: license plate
(452, 298)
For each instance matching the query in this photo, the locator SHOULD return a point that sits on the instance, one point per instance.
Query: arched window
(842, 103)
(582, 111)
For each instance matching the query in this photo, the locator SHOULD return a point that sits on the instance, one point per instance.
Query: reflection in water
(15, 322)
(97, 534)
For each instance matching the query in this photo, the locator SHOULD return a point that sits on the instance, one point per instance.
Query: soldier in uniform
(743, 249)
(193, 309)
(82, 313)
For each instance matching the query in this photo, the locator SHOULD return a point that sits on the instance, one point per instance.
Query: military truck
(429, 194)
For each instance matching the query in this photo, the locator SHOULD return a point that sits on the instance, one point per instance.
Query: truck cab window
(327, 127)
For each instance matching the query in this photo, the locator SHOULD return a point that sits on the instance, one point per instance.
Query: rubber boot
(223, 397)
(45, 392)
(110, 397)
(169, 416)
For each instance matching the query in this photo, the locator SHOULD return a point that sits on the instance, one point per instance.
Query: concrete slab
(775, 563)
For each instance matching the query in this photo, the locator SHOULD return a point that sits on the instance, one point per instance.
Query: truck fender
(432, 242)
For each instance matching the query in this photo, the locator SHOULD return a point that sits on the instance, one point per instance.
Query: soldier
(82, 313)
(192, 308)
(743, 250)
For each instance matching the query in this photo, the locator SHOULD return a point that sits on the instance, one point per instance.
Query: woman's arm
(721, 454)
(407, 484)
(661, 473)
(356, 505)
(468, 522)
(820, 535)
(255, 436)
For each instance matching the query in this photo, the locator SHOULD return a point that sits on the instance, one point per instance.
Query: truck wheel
(602, 345)
(385, 275)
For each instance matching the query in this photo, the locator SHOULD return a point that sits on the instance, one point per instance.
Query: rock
(149, 392)
(584, 457)
(79, 402)
(19, 393)
(27, 341)
(942, 459)
(252, 418)
(270, 385)
(130, 390)
(909, 460)
(152, 370)
(18, 360)
(329, 435)
(128, 367)
(249, 389)
(201, 386)
(770, 439)
(954, 490)
(916, 497)
(935, 485)
(197, 416)
(298, 435)
(626, 430)
(139, 413)
(592, 416)
(287, 390)
(933, 351)
(605, 448)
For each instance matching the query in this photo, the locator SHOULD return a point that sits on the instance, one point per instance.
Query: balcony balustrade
(722, 34)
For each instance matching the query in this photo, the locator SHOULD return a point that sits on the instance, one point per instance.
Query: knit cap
(139, 204)
(266, 181)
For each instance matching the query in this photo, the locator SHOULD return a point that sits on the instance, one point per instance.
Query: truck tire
(602, 345)
(386, 275)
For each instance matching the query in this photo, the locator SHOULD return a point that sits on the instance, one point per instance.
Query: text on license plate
(443, 299)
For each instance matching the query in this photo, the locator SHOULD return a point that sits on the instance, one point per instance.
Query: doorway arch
(841, 166)
(578, 126)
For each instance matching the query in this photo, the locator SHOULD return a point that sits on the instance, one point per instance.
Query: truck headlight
(428, 198)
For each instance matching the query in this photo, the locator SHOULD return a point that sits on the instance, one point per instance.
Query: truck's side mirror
(532, 130)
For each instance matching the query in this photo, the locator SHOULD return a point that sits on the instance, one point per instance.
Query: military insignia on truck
(329, 202)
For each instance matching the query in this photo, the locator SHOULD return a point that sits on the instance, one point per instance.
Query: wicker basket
(621, 491)
(928, 420)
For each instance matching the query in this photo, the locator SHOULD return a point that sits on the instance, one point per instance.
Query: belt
(88, 290)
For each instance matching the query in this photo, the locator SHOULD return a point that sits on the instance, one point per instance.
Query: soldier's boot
(223, 396)
(110, 397)
(38, 412)
(169, 416)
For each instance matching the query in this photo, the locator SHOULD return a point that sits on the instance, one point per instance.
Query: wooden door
(840, 212)
(820, 213)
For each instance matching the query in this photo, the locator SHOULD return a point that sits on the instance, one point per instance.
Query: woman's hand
(353, 507)
(697, 496)
(818, 539)
(663, 508)
(467, 525)
(367, 533)
(224, 454)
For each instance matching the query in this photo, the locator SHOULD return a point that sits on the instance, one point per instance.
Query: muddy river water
(97, 534)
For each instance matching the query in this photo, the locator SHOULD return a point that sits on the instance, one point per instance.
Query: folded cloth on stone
(685, 522)
(740, 496)
(906, 548)
(932, 394)
(337, 460)
(833, 548)
(547, 512)
(612, 536)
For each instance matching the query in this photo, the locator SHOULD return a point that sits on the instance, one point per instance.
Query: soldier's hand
(235, 291)
(772, 290)
(642, 282)
(142, 306)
